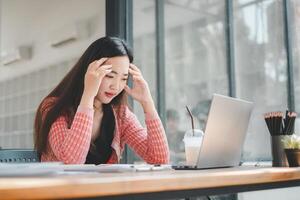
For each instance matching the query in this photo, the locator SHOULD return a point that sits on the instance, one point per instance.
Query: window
(261, 67)
(295, 32)
(144, 51)
(195, 65)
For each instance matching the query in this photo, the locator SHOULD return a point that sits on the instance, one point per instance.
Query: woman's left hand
(140, 89)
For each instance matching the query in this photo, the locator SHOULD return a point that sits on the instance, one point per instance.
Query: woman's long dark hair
(68, 95)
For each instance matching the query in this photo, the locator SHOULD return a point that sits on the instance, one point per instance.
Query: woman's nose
(115, 85)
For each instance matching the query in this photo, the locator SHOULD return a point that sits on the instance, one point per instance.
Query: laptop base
(189, 167)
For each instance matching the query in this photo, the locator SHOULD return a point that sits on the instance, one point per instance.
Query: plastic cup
(192, 143)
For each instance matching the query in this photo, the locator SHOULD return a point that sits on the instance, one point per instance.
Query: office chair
(18, 156)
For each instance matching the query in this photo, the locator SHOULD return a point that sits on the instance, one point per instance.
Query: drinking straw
(192, 118)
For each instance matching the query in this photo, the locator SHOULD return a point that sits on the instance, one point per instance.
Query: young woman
(85, 119)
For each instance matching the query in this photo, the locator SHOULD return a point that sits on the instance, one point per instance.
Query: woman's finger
(127, 89)
(92, 66)
(104, 69)
(135, 68)
(137, 78)
(131, 71)
(95, 64)
(101, 61)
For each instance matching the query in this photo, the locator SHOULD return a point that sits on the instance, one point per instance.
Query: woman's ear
(129, 80)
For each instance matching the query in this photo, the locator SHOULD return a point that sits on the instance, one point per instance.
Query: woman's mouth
(108, 94)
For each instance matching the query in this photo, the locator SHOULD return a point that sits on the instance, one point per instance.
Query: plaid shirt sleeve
(71, 145)
(149, 143)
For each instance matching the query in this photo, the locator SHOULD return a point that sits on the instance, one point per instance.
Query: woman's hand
(94, 75)
(92, 80)
(140, 89)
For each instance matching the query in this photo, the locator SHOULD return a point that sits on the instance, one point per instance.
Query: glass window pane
(295, 32)
(144, 45)
(261, 67)
(144, 51)
(195, 62)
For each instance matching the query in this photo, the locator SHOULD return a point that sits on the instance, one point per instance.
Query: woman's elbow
(161, 158)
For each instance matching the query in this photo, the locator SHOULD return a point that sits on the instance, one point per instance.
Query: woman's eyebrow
(114, 72)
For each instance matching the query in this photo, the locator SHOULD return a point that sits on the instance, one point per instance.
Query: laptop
(225, 133)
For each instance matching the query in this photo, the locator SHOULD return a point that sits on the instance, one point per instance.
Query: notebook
(224, 134)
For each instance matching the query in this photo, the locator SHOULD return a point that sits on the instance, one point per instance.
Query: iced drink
(192, 143)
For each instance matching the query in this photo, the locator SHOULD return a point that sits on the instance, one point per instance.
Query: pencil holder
(278, 154)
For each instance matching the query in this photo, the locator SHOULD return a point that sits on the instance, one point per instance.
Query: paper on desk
(28, 169)
(113, 167)
(132, 167)
(49, 168)
(43, 168)
(116, 168)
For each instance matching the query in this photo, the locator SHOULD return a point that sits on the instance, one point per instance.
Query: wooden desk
(145, 185)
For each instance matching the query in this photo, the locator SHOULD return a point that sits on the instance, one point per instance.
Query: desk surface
(115, 184)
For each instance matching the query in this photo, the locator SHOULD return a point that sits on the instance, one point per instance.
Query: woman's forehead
(118, 60)
(119, 64)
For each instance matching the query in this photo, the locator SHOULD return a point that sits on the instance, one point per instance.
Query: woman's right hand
(92, 79)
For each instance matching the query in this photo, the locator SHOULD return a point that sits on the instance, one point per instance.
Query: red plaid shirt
(71, 145)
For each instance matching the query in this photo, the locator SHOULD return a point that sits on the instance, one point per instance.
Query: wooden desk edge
(130, 183)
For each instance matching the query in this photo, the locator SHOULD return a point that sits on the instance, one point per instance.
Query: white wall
(35, 22)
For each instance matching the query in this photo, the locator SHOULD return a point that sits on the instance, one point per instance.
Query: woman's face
(114, 82)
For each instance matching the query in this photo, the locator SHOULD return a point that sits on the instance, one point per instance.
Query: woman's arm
(71, 145)
(150, 143)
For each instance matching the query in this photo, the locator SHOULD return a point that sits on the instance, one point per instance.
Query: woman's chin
(103, 99)
(106, 100)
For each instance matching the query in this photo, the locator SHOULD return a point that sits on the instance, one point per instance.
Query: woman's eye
(108, 76)
(124, 79)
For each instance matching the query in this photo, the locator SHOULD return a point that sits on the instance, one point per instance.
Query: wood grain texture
(106, 184)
